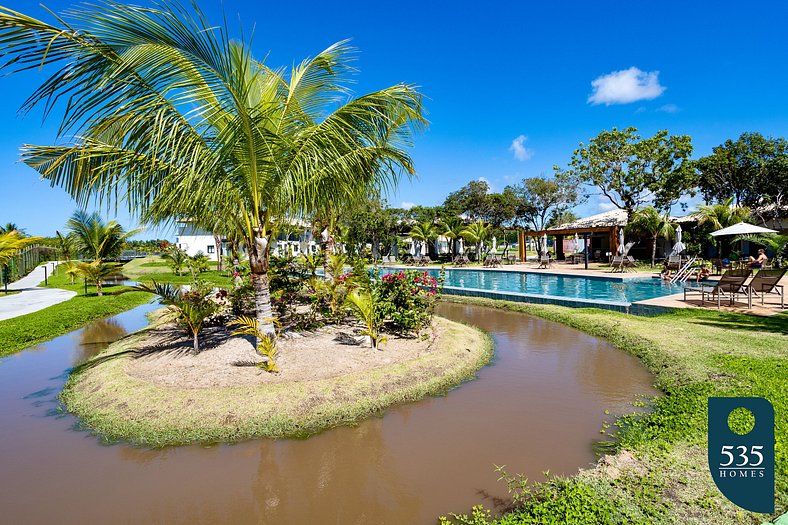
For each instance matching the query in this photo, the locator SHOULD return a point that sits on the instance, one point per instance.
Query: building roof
(607, 219)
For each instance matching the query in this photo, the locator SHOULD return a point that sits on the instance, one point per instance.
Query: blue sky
(493, 72)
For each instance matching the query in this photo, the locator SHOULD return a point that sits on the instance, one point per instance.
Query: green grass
(9, 292)
(694, 354)
(155, 268)
(120, 407)
(27, 330)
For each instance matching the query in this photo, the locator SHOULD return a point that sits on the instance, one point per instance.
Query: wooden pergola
(559, 234)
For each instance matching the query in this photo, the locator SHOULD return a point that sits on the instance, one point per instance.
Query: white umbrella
(544, 244)
(577, 243)
(742, 228)
(678, 247)
(621, 247)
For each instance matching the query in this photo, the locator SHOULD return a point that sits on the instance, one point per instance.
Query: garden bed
(151, 390)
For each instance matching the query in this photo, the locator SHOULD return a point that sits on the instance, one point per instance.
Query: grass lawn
(154, 268)
(9, 292)
(27, 330)
(660, 472)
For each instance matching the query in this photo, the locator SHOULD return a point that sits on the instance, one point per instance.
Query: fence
(24, 261)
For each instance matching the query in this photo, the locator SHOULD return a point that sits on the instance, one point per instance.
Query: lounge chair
(766, 281)
(424, 260)
(545, 261)
(629, 263)
(674, 262)
(617, 263)
(731, 283)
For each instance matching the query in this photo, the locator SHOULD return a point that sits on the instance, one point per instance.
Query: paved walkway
(31, 298)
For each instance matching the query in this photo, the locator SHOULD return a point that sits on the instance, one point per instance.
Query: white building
(193, 240)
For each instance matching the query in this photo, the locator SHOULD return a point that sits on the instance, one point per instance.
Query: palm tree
(177, 259)
(477, 232)
(424, 232)
(11, 227)
(776, 243)
(96, 272)
(181, 122)
(721, 215)
(96, 239)
(65, 245)
(11, 243)
(649, 222)
(452, 229)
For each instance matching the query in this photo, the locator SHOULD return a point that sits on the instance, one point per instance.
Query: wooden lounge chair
(629, 263)
(764, 282)
(617, 263)
(423, 260)
(545, 261)
(674, 262)
(731, 284)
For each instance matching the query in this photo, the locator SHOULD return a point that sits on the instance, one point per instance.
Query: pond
(538, 406)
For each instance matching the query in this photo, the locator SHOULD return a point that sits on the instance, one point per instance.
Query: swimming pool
(550, 288)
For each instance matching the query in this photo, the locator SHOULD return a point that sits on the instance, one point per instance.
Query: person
(760, 261)
(700, 274)
(666, 274)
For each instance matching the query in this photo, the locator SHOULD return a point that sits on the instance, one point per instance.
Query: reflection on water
(539, 407)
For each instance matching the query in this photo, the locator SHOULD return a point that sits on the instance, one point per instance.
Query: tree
(753, 170)
(65, 245)
(650, 222)
(182, 122)
(452, 229)
(369, 222)
(12, 227)
(424, 232)
(11, 243)
(540, 199)
(721, 215)
(564, 217)
(94, 238)
(477, 232)
(96, 272)
(471, 199)
(632, 172)
(176, 259)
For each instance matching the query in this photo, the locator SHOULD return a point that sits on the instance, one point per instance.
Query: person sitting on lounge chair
(760, 261)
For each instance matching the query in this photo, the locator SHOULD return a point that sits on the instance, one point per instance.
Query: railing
(23, 262)
(684, 272)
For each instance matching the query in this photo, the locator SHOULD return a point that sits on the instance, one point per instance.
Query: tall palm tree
(650, 222)
(477, 232)
(182, 122)
(11, 227)
(424, 232)
(96, 239)
(452, 229)
(65, 245)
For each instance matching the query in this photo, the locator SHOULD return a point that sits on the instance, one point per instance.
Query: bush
(408, 299)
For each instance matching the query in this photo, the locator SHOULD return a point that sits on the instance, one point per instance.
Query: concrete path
(31, 298)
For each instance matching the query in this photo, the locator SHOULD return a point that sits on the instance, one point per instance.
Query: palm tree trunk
(653, 251)
(217, 241)
(258, 263)
(196, 343)
(98, 287)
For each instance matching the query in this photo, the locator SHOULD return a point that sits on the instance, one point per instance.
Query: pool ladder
(684, 272)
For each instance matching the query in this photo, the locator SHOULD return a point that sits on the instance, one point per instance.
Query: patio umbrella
(577, 243)
(544, 244)
(621, 241)
(742, 228)
(678, 247)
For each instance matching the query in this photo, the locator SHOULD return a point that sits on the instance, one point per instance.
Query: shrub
(408, 299)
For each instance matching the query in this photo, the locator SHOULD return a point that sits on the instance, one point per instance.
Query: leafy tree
(181, 122)
(632, 172)
(539, 199)
(500, 208)
(477, 232)
(752, 169)
(650, 222)
(563, 217)
(369, 222)
(95, 238)
(471, 199)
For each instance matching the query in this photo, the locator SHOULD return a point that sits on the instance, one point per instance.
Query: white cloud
(406, 205)
(625, 86)
(669, 108)
(519, 149)
(604, 204)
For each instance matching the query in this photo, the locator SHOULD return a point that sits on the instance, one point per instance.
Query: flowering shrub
(408, 299)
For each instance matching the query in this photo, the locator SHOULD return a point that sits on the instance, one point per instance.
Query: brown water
(539, 406)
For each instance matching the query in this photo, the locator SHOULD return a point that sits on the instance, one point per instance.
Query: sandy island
(150, 389)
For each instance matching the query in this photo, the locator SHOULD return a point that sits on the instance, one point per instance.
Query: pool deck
(654, 306)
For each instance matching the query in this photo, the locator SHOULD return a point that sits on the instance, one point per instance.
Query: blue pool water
(544, 284)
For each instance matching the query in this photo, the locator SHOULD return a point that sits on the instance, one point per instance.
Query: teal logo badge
(742, 464)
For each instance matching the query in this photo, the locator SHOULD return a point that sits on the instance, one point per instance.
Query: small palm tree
(65, 245)
(648, 221)
(452, 229)
(192, 307)
(72, 270)
(477, 232)
(96, 239)
(424, 232)
(266, 346)
(363, 303)
(721, 215)
(96, 272)
(176, 258)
